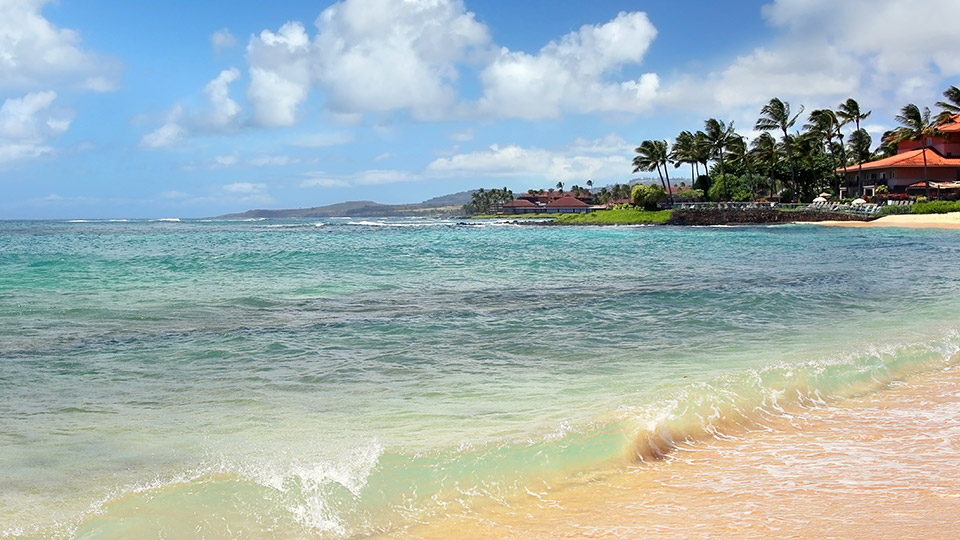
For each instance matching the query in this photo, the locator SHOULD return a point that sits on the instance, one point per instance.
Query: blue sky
(192, 109)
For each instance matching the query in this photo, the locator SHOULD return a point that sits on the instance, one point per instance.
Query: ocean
(414, 378)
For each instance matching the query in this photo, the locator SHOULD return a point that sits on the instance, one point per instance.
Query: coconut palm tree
(765, 153)
(825, 123)
(776, 116)
(950, 107)
(849, 111)
(860, 142)
(717, 136)
(685, 151)
(651, 156)
(917, 125)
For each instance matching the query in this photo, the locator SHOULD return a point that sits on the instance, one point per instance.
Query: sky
(193, 109)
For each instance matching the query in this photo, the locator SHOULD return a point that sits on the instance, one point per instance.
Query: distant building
(903, 172)
(567, 205)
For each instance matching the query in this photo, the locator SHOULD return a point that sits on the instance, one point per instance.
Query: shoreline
(881, 458)
(909, 221)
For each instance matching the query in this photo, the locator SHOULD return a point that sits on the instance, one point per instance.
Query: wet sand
(912, 221)
(880, 466)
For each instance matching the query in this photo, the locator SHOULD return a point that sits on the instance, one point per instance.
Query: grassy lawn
(622, 216)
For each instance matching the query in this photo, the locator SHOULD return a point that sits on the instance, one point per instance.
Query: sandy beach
(910, 221)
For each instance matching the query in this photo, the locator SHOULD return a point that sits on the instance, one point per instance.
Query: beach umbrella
(825, 195)
(820, 199)
(858, 202)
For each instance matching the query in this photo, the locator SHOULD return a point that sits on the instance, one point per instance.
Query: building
(904, 172)
(567, 205)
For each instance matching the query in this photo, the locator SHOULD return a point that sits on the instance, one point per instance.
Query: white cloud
(247, 193)
(34, 52)
(279, 74)
(829, 51)
(367, 56)
(572, 75)
(27, 123)
(221, 40)
(220, 115)
(165, 136)
(223, 110)
(604, 159)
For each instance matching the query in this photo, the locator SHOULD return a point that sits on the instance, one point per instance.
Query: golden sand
(912, 221)
(882, 466)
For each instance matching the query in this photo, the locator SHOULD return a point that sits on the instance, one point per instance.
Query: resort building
(904, 172)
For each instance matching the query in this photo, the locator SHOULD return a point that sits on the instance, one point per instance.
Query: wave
(372, 489)
(167, 220)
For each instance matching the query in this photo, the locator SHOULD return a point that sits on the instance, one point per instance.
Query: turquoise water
(341, 378)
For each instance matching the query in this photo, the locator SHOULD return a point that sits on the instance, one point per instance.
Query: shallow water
(349, 378)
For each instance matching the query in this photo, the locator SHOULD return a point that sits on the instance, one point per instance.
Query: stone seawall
(751, 216)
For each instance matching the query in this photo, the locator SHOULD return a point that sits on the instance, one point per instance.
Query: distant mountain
(446, 205)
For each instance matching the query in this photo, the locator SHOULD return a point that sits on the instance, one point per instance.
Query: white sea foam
(168, 220)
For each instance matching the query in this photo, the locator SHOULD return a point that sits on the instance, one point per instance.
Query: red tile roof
(520, 203)
(952, 127)
(910, 158)
(567, 202)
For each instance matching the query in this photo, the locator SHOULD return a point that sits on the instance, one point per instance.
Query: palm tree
(916, 125)
(717, 136)
(825, 123)
(651, 156)
(849, 111)
(765, 152)
(951, 107)
(776, 115)
(684, 151)
(860, 142)
(560, 186)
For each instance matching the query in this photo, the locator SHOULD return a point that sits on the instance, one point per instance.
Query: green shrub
(935, 207)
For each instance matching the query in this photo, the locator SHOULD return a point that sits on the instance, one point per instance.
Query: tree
(685, 151)
(717, 136)
(776, 116)
(917, 126)
(950, 107)
(647, 196)
(488, 201)
(860, 143)
(849, 111)
(766, 154)
(651, 156)
(825, 123)
(560, 186)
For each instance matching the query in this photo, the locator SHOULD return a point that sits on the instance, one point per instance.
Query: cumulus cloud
(27, 123)
(34, 52)
(221, 40)
(367, 56)
(221, 114)
(223, 110)
(572, 75)
(279, 74)
(606, 158)
(829, 51)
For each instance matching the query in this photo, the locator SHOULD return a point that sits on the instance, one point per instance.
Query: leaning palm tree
(717, 136)
(825, 123)
(917, 125)
(849, 111)
(684, 151)
(651, 156)
(776, 116)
